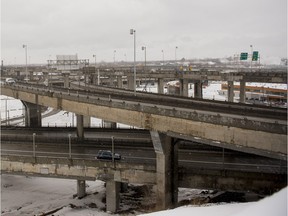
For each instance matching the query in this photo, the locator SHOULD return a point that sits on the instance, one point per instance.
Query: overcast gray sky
(199, 28)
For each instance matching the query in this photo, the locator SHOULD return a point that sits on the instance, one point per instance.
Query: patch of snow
(273, 205)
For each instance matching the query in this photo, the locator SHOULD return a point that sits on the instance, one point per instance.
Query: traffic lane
(201, 159)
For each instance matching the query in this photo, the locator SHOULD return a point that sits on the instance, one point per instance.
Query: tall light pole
(162, 55)
(26, 69)
(114, 56)
(98, 76)
(133, 32)
(95, 59)
(251, 57)
(176, 53)
(144, 48)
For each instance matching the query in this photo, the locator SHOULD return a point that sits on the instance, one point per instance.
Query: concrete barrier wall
(78, 169)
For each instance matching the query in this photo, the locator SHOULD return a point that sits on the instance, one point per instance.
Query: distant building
(67, 63)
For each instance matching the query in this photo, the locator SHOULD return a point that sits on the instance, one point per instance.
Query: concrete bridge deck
(245, 127)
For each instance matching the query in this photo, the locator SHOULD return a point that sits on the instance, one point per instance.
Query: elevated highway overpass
(236, 126)
(254, 129)
(199, 166)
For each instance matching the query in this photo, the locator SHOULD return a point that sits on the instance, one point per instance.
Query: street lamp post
(98, 75)
(133, 32)
(144, 48)
(176, 53)
(251, 57)
(114, 56)
(95, 59)
(26, 70)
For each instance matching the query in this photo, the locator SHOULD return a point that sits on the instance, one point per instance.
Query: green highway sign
(255, 56)
(243, 56)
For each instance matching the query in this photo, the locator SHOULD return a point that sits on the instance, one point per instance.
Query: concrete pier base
(230, 91)
(112, 196)
(198, 92)
(242, 91)
(167, 171)
(160, 86)
(80, 126)
(81, 188)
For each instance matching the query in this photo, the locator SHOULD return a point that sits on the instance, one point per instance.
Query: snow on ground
(23, 196)
(275, 205)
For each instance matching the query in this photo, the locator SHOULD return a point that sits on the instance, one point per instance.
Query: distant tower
(2, 68)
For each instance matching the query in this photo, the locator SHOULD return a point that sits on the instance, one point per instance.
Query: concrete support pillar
(198, 93)
(111, 80)
(94, 79)
(119, 82)
(66, 80)
(80, 126)
(242, 91)
(31, 77)
(81, 188)
(108, 124)
(230, 91)
(130, 82)
(184, 87)
(160, 86)
(32, 115)
(167, 170)
(87, 121)
(112, 196)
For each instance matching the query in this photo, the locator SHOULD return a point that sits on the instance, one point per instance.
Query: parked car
(9, 81)
(107, 155)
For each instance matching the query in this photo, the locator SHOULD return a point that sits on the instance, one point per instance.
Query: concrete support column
(80, 126)
(31, 77)
(111, 80)
(46, 77)
(81, 188)
(119, 82)
(94, 79)
(242, 91)
(112, 196)
(160, 86)
(66, 80)
(167, 170)
(32, 115)
(230, 91)
(198, 93)
(130, 82)
(87, 121)
(184, 87)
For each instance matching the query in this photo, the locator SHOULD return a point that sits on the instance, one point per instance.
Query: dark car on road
(107, 155)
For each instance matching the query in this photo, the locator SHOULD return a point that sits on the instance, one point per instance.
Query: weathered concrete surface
(268, 136)
(112, 196)
(231, 180)
(167, 171)
(78, 169)
(140, 174)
